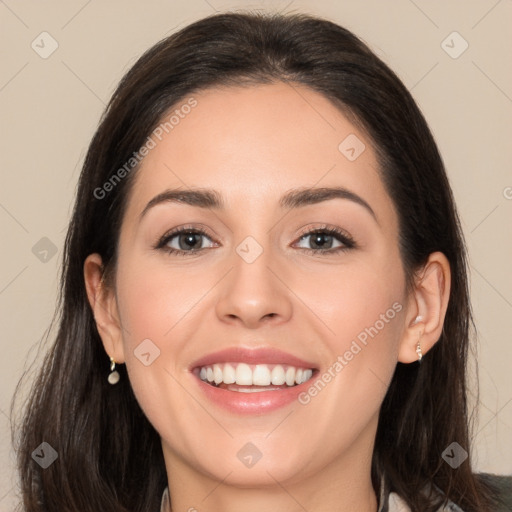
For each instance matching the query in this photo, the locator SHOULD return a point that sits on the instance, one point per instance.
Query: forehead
(254, 143)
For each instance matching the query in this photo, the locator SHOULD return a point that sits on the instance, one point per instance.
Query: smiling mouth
(253, 378)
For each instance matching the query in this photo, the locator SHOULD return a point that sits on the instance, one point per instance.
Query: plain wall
(51, 106)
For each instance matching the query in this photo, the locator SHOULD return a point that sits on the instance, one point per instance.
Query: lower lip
(252, 403)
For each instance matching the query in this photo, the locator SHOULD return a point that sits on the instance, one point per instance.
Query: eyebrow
(296, 198)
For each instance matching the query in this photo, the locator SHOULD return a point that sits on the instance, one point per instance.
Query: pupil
(189, 238)
(319, 239)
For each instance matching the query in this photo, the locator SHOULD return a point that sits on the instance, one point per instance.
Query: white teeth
(307, 375)
(243, 375)
(278, 376)
(253, 389)
(217, 374)
(254, 375)
(261, 375)
(290, 376)
(229, 374)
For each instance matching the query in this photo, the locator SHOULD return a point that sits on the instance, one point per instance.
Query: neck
(344, 485)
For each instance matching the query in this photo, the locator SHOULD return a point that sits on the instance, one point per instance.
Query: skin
(252, 145)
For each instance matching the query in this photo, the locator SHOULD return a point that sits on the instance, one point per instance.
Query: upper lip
(240, 354)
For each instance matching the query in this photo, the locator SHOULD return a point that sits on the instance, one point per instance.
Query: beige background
(50, 108)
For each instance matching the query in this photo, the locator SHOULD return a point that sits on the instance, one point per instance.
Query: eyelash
(343, 237)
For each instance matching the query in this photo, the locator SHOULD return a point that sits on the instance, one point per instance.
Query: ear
(104, 306)
(429, 302)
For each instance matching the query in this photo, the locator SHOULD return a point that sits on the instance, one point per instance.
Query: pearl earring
(418, 349)
(113, 377)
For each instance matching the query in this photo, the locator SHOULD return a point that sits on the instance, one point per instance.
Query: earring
(418, 349)
(113, 377)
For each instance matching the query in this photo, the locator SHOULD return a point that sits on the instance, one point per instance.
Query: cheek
(361, 308)
(153, 303)
(360, 301)
(159, 309)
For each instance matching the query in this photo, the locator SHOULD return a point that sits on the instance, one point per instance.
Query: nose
(254, 294)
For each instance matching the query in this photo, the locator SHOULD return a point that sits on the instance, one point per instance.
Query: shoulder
(503, 486)
(501, 483)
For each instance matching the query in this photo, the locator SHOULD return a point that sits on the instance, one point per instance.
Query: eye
(189, 240)
(323, 238)
(183, 240)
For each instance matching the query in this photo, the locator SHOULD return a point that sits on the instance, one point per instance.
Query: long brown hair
(110, 456)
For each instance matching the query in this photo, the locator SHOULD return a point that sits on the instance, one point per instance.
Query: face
(272, 285)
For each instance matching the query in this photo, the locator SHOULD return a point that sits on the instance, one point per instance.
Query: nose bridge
(252, 292)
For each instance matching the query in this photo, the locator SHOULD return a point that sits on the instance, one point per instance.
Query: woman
(264, 292)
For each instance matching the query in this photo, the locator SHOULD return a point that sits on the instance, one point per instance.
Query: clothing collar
(392, 502)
